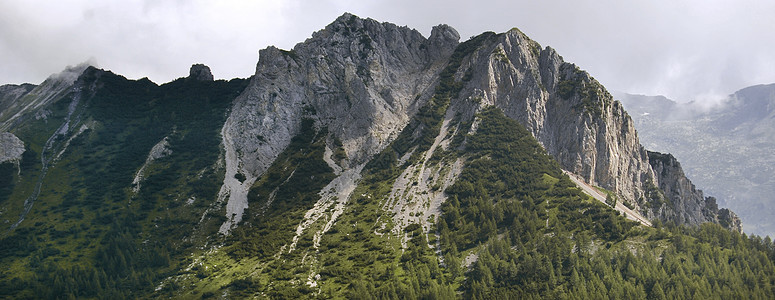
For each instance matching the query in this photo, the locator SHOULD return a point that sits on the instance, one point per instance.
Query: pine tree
(656, 292)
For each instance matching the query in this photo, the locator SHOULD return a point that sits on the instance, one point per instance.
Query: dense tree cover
(7, 170)
(545, 241)
(534, 236)
(513, 225)
(88, 234)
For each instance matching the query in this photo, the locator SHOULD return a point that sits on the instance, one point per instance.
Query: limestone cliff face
(364, 81)
(685, 204)
(568, 111)
(361, 79)
(578, 122)
(11, 148)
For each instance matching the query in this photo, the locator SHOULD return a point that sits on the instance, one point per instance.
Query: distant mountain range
(726, 148)
(367, 162)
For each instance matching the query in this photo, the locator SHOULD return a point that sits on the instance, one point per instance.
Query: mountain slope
(73, 193)
(361, 79)
(367, 161)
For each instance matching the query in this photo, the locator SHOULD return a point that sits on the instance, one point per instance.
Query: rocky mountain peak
(54, 87)
(444, 33)
(444, 37)
(576, 120)
(361, 82)
(361, 79)
(365, 156)
(360, 39)
(200, 72)
(681, 202)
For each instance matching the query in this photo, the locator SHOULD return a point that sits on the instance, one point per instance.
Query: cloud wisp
(686, 50)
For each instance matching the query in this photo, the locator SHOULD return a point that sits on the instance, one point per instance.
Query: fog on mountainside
(726, 149)
(367, 162)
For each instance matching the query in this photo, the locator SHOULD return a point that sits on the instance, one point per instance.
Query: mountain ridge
(725, 146)
(368, 160)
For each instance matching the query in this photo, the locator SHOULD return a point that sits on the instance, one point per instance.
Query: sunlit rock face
(364, 80)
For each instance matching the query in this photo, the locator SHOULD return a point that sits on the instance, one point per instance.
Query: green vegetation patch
(279, 199)
(594, 97)
(88, 235)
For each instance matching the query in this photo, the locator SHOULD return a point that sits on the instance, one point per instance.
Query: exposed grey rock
(444, 38)
(726, 148)
(729, 219)
(575, 119)
(11, 148)
(28, 105)
(361, 79)
(685, 204)
(569, 112)
(200, 72)
(10, 93)
(364, 80)
(160, 150)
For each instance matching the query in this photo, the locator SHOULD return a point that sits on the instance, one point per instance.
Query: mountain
(368, 161)
(725, 148)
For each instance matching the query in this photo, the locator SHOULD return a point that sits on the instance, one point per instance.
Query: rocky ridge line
(361, 79)
(576, 120)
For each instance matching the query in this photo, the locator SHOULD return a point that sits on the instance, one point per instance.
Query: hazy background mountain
(726, 148)
(367, 160)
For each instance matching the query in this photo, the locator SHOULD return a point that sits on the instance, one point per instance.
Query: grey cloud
(685, 50)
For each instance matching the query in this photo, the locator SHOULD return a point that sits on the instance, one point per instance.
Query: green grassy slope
(88, 234)
(512, 226)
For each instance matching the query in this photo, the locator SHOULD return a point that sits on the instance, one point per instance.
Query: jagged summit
(200, 72)
(358, 37)
(367, 160)
(29, 102)
(443, 36)
(361, 79)
(364, 81)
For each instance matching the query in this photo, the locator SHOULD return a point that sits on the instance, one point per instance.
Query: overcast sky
(685, 50)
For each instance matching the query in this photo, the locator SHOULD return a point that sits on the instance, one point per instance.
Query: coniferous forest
(462, 202)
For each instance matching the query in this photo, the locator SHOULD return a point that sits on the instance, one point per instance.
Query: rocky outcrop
(568, 111)
(200, 72)
(361, 79)
(31, 103)
(160, 150)
(577, 121)
(10, 93)
(364, 80)
(729, 219)
(11, 148)
(683, 203)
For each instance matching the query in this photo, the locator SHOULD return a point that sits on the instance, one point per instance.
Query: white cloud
(680, 49)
